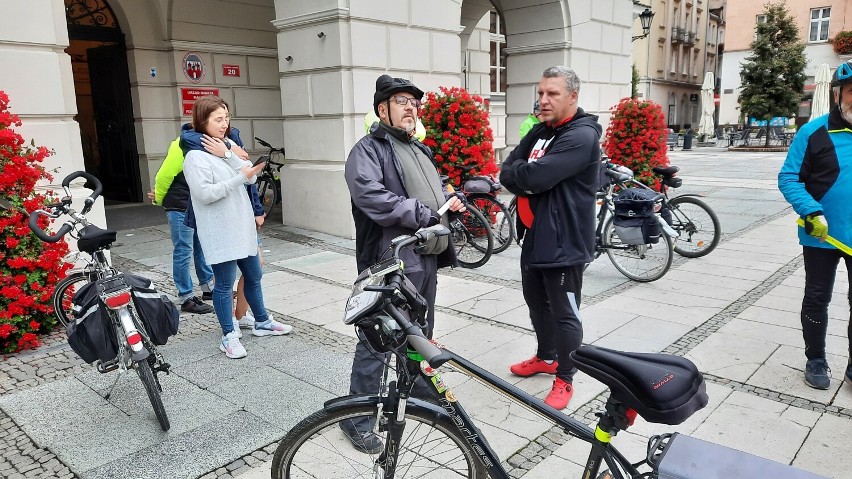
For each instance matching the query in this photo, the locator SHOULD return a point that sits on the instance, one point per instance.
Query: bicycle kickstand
(114, 383)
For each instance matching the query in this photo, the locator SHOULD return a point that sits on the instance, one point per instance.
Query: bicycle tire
(642, 263)
(152, 388)
(268, 192)
(497, 214)
(63, 294)
(693, 223)
(471, 237)
(317, 448)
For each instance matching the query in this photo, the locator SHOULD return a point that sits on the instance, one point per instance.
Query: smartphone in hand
(262, 159)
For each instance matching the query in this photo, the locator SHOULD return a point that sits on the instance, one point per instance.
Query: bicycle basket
(635, 222)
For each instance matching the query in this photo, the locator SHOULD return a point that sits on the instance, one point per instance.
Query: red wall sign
(189, 95)
(230, 70)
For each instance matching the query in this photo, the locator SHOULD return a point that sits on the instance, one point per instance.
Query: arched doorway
(102, 87)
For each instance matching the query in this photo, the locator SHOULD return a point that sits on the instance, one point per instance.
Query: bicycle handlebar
(97, 190)
(33, 223)
(272, 149)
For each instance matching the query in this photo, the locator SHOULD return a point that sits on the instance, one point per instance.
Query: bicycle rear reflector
(134, 338)
(117, 300)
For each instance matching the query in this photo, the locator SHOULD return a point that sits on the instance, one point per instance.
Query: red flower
(5, 330)
(458, 133)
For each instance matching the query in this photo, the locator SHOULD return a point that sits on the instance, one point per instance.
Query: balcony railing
(681, 35)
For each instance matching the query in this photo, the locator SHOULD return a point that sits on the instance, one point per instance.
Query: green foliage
(773, 76)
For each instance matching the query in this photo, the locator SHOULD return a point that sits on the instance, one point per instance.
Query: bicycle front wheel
(429, 447)
(643, 263)
(697, 225)
(152, 388)
(267, 189)
(471, 237)
(497, 215)
(63, 294)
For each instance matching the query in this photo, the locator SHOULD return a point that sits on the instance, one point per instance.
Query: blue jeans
(223, 299)
(186, 245)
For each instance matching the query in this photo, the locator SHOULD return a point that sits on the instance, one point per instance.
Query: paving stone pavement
(734, 313)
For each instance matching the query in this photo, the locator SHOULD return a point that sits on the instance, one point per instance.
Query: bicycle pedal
(163, 368)
(105, 367)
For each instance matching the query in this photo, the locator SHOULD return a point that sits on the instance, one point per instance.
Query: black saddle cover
(662, 388)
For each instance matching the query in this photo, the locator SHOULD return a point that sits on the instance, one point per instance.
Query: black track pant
(368, 366)
(553, 297)
(820, 270)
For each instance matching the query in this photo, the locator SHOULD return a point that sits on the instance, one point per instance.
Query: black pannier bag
(156, 311)
(91, 335)
(635, 222)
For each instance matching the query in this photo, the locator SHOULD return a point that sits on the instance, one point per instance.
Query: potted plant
(842, 43)
(29, 268)
(636, 138)
(458, 132)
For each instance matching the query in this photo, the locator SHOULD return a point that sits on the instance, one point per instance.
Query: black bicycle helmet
(843, 74)
(386, 86)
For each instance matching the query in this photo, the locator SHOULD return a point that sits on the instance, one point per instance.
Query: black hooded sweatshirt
(561, 184)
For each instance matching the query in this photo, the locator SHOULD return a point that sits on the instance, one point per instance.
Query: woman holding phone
(225, 221)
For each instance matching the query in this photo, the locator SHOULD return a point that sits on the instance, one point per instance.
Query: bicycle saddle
(662, 388)
(93, 238)
(666, 170)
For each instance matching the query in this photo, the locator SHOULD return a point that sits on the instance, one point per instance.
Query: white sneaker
(247, 321)
(237, 327)
(270, 327)
(231, 346)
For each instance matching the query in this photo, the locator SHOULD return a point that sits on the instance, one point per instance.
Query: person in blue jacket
(816, 179)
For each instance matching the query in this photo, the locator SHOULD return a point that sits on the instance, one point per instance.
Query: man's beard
(846, 112)
(409, 127)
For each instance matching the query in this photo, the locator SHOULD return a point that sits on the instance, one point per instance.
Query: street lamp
(645, 18)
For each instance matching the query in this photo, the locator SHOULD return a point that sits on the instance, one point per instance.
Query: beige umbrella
(819, 107)
(705, 127)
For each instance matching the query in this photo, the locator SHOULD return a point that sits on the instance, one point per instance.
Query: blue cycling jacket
(817, 176)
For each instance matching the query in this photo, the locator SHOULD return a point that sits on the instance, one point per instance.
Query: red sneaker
(560, 394)
(533, 366)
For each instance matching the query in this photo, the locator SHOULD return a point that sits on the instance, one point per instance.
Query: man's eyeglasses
(403, 100)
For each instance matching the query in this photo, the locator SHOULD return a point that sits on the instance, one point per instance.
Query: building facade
(817, 20)
(107, 83)
(685, 42)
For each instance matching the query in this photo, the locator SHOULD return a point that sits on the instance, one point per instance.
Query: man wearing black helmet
(816, 180)
(395, 190)
(554, 172)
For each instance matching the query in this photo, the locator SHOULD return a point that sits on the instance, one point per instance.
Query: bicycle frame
(449, 406)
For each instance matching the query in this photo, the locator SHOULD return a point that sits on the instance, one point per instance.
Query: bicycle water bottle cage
(662, 388)
(93, 238)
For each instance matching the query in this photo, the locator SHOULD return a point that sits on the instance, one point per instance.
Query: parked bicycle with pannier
(115, 320)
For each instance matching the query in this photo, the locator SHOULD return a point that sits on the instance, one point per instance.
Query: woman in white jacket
(225, 221)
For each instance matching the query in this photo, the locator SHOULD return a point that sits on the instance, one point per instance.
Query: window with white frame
(819, 24)
(497, 54)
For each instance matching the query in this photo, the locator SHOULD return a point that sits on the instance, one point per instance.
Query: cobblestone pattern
(20, 458)
(243, 464)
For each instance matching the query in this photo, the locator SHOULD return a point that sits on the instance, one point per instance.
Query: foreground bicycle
(125, 342)
(437, 438)
(268, 182)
